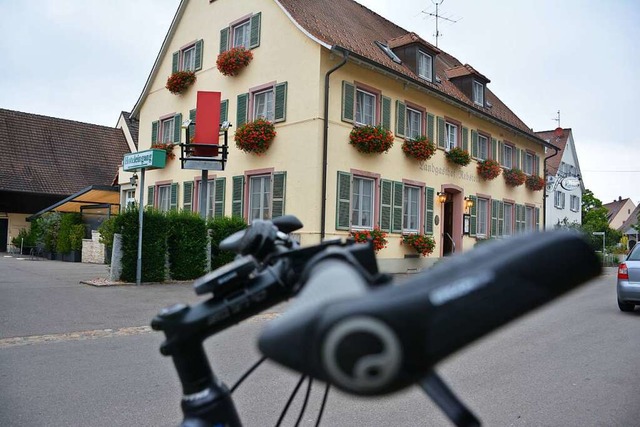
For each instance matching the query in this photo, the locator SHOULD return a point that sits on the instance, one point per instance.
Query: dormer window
(425, 66)
(478, 93)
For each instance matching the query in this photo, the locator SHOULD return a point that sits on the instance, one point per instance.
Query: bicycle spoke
(293, 394)
(246, 374)
(306, 400)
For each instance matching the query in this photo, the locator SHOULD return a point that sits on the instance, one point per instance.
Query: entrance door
(448, 247)
(4, 234)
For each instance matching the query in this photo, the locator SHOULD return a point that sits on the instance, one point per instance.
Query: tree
(589, 202)
(594, 218)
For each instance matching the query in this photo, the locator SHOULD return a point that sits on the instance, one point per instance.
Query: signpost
(141, 161)
(600, 233)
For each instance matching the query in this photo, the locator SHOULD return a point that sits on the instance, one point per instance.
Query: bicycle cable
(306, 400)
(291, 397)
(247, 373)
(324, 401)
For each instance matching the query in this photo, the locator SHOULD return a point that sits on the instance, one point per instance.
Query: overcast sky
(87, 60)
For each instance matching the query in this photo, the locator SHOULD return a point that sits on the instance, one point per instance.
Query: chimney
(619, 198)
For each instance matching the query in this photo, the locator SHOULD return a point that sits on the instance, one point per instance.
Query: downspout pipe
(325, 144)
(544, 195)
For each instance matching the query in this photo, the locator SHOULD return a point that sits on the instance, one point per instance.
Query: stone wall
(92, 250)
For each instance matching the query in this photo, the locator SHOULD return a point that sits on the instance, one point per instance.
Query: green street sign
(147, 159)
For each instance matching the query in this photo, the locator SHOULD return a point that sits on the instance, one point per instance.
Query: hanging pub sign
(570, 183)
(147, 159)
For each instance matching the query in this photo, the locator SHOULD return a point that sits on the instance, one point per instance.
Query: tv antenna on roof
(557, 119)
(438, 17)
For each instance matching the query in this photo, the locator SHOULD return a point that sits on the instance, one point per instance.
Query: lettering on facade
(451, 173)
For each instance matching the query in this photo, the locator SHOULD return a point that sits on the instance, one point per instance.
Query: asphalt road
(72, 354)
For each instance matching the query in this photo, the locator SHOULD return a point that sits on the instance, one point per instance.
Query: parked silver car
(628, 286)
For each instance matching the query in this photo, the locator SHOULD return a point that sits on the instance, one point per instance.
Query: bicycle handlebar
(375, 342)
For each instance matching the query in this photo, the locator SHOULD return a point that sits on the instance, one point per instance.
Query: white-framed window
(575, 203)
(362, 202)
(241, 34)
(507, 225)
(483, 147)
(507, 156)
(264, 105)
(425, 66)
(260, 197)
(482, 219)
(414, 123)
(529, 218)
(211, 193)
(167, 128)
(478, 93)
(558, 201)
(528, 163)
(411, 209)
(365, 108)
(164, 198)
(451, 135)
(188, 59)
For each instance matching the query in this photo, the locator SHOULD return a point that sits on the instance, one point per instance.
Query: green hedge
(154, 244)
(222, 227)
(187, 242)
(67, 223)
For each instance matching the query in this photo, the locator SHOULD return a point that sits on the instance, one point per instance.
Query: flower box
(230, 62)
(489, 169)
(422, 244)
(371, 139)
(256, 136)
(534, 183)
(167, 147)
(458, 156)
(180, 81)
(420, 148)
(514, 177)
(377, 236)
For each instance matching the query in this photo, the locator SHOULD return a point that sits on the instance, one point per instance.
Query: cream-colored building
(319, 69)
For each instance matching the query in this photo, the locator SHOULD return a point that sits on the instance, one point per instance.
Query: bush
(458, 156)
(514, 177)
(76, 236)
(421, 243)
(24, 238)
(534, 183)
(107, 229)
(371, 139)
(49, 229)
(63, 242)
(376, 235)
(222, 227)
(420, 148)
(231, 61)
(256, 136)
(180, 81)
(187, 243)
(154, 244)
(489, 169)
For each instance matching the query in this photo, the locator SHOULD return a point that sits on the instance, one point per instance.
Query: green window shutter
(281, 102)
(241, 114)
(465, 139)
(428, 210)
(396, 221)
(174, 197)
(343, 202)
(537, 219)
(154, 132)
(431, 127)
(500, 218)
(386, 112)
(187, 196)
(150, 195)
(177, 127)
(494, 148)
(401, 113)
(495, 208)
(386, 189)
(237, 200)
(473, 216)
(348, 101)
(192, 126)
(224, 110)
(199, 45)
(501, 152)
(279, 191)
(441, 132)
(224, 39)
(517, 158)
(254, 40)
(218, 200)
(175, 62)
(474, 143)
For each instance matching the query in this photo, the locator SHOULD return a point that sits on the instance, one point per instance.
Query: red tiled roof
(348, 24)
(464, 70)
(632, 220)
(409, 38)
(559, 141)
(614, 207)
(48, 155)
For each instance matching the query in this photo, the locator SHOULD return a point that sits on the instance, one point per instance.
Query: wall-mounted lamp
(133, 180)
(186, 124)
(224, 126)
(442, 197)
(468, 203)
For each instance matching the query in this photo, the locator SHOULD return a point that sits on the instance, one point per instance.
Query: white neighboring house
(564, 179)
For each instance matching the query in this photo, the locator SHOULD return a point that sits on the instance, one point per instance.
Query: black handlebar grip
(393, 336)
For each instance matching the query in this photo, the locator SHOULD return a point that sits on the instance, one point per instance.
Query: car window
(635, 254)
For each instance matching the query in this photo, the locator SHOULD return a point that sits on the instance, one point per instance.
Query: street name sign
(147, 159)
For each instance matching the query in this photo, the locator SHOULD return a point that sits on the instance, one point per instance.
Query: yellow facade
(287, 54)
